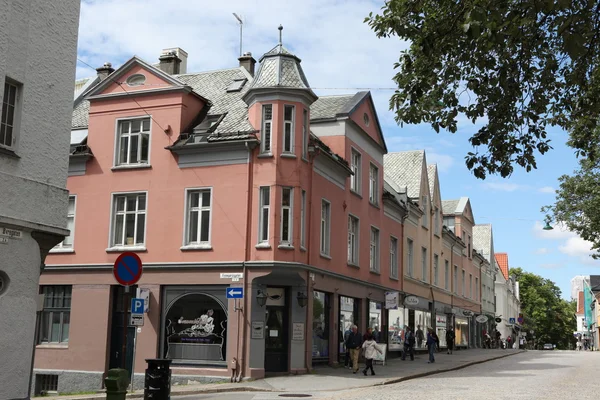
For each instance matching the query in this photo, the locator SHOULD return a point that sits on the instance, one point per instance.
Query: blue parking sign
(137, 306)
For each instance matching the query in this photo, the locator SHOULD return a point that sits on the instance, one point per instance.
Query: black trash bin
(157, 382)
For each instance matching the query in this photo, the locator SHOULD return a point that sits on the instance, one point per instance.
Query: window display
(462, 331)
(422, 321)
(375, 320)
(397, 323)
(320, 326)
(440, 327)
(348, 317)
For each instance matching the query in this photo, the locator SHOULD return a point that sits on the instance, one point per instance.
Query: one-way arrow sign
(235, 293)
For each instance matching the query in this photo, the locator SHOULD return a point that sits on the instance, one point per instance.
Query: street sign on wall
(235, 293)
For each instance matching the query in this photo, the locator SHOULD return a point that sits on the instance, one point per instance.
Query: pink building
(218, 180)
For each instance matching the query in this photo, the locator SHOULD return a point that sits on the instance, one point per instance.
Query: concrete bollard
(116, 382)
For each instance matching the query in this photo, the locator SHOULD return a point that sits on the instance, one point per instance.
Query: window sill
(305, 159)
(62, 250)
(353, 265)
(357, 194)
(302, 248)
(63, 346)
(437, 234)
(394, 278)
(376, 205)
(128, 167)
(122, 249)
(288, 155)
(263, 246)
(285, 247)
(375, 272)
(325, 256)
(9, 152)
(265, 155)
(197, 247)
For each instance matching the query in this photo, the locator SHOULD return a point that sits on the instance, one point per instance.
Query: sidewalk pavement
(325, 378)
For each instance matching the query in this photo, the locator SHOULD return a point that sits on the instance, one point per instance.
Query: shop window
(375, 321)
(321, 326)
(348, 316)
(195, 329)
(397, 325)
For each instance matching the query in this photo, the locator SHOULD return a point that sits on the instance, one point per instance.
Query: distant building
(38, 42)
(577, 285)
(508, 304)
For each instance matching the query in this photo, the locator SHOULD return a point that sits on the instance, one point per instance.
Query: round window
(3, 282)
(366, 119)
(136, 80)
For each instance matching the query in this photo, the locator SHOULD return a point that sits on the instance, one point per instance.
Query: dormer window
(136, 80)
(208, 124)
(133, 145)
(236, 85)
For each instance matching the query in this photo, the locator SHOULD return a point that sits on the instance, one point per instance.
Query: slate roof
(595, 283)
(405, 169)
(502, 261)
(431, 172)
(483, 240)
(280, 68)
(331, 107)
(454, 206)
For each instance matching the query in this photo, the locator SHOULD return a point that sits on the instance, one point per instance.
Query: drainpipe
(453, 284)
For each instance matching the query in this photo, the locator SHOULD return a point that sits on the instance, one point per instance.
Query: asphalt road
(533, 375)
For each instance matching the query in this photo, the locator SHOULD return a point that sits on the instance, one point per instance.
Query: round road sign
(127, 269)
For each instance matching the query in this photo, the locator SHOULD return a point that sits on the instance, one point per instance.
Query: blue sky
(340, 54)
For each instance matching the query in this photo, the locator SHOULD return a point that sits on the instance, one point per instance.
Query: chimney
(105, 70)
(248, 62)
(169, 62)
(182, 55)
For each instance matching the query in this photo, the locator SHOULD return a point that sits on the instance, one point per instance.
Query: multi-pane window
(455, 280)
(9, 114)
(463, 283)
(67, 243)
(303, 219)
(287, 196)
(435, 269)
(424, 264)
(469, 246)
(425, 219)
(446, 274)
(288, 129)
(267, 124)
(129, 219)
(355, 162)
(325, 226)
(410, 254)
(134, 141)
(198, 216)
(374, 245)
(436, 217)
(476, 289)
(263, 224)
(374, 184)
(470, 286)
(55, 317)
(304, 133)
(352, 240)
(393, 257)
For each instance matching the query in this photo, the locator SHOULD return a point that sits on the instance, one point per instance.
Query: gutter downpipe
(453, 283)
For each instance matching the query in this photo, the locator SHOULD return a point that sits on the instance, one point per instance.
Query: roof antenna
(280, 30)
(241, 29)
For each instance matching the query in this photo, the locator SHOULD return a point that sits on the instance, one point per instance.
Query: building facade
(37, 67)
(508, 305)
(220, 180)
(483, 242)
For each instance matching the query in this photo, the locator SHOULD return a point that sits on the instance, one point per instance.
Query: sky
(340, 55)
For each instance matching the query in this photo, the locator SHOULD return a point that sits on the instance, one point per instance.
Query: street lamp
(302, 299)
(261, 298)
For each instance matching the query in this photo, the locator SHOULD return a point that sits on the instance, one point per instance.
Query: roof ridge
(209, 72)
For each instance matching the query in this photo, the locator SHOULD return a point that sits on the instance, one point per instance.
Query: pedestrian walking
(409, 344)
(430, 345)
(437, 340)
(450, 340)
(370, 347)
(354, 343)
(419, 336)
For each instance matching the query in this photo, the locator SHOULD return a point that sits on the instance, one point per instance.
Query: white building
(508, 304)
(577, 285)
(38, 42)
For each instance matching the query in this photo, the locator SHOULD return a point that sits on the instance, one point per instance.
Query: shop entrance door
(116, 330)
(277, 336)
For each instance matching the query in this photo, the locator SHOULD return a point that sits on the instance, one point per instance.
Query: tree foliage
(550, 317)
(578, 203)
(518, 66)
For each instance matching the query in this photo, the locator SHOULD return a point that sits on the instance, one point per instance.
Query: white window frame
(446, 274)
(113, 220)
(425, 218)
(463, 282)
(353, 239)
(305, 131)
(355, 166)
(455, 279)
(436, 265)
(470, 253)
(264, 193)
(117, 158)
(410, 252)
(290, 218)
(16, 113)
(394, 257)
(266, 145)
(291, 124)
(373, 184)
(374, 249)
(303, 219)
(189, 192)
(436, 217)
(70, 217)
(325, 228)
(424, 264)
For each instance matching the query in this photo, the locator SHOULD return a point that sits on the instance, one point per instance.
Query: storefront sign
(482, 319)
(144, 293)
(440, 320)
(258, 330)
(392, 300)
(411, 300)
(498, 320)
(136, 320)
(298, 331)
(467, 313)
(11, 233)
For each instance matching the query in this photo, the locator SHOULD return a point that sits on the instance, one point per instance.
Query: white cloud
(572, 245)
(503, 186)
(542, 250)
(443, 161)
(546, 189)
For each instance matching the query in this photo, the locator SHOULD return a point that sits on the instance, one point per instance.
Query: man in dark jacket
(409, 344)
(354, 343)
